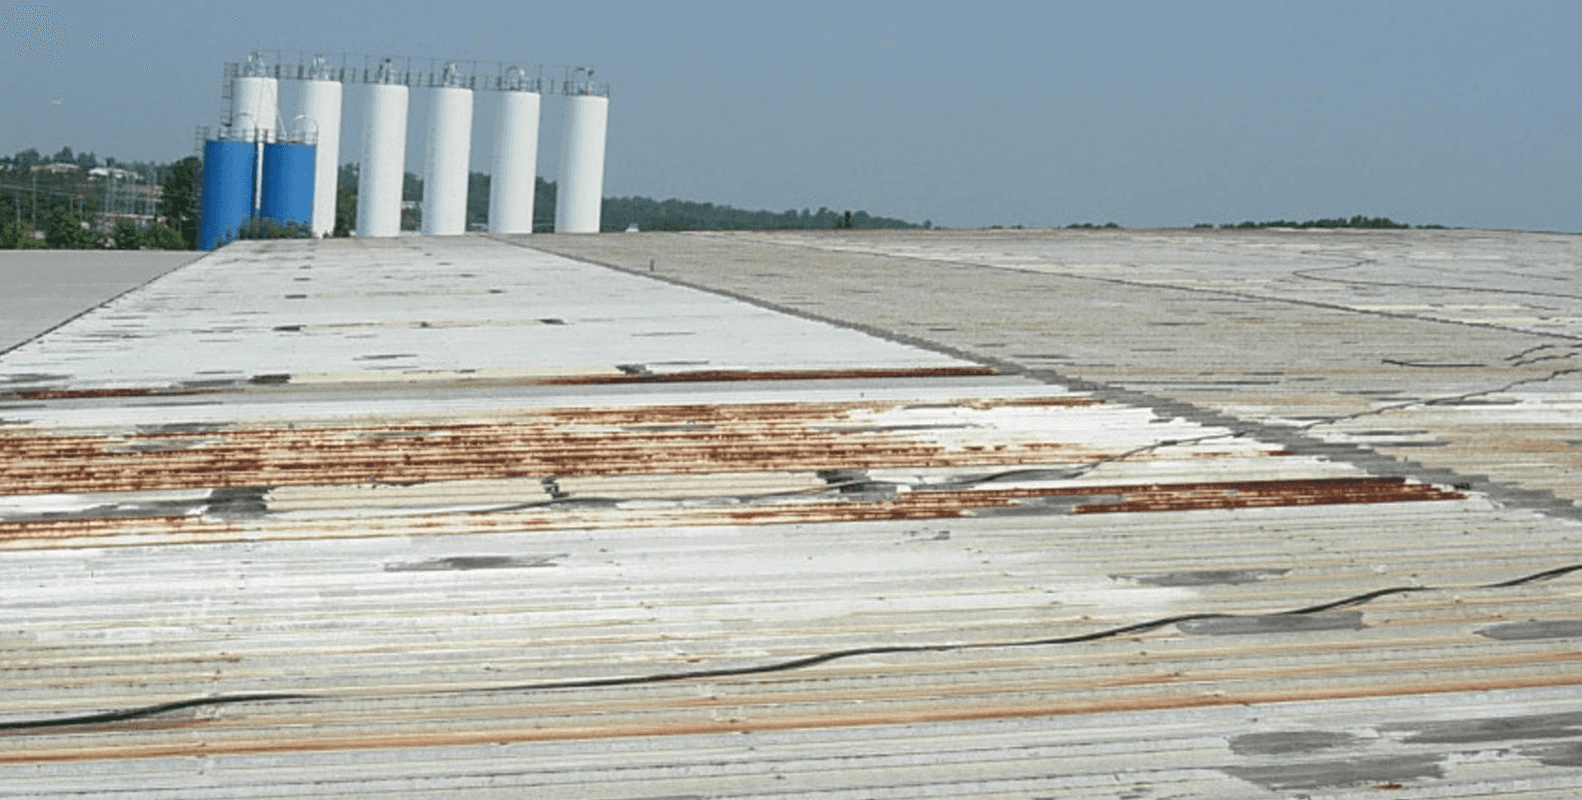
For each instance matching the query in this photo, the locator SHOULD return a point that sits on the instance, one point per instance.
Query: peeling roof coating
(422, 517)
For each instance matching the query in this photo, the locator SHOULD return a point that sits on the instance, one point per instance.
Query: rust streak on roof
(1262, 494)
(91, 394)
(583, 441)
(913, 505)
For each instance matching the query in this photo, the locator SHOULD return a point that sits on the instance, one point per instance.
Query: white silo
(514, 172)
(256, 99)
(448, 150)
(384, 156)
(320, 108)
(579, 195)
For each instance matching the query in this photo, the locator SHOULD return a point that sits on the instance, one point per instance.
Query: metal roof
(456, 515)
(47, 287)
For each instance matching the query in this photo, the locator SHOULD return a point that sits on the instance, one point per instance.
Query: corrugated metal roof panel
(1447, 335)
(880, 572)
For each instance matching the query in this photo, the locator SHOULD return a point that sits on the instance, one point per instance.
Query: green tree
(63, 230)
(65, 156)
(14, 235)
(346, 199)
(160, 237)
(263, 228)
(544, 205)
(478, 185)
(127, 236)
(179, 204)
(684, 215)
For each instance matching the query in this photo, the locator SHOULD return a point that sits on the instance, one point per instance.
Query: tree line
(1355, 221)
(620, 213)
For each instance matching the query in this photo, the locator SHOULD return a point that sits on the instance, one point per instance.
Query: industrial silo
(579, 196)
(320, 110)
(256, 100)
(288, 183)
(515, 164)
(228, 180)
(384, 155)
(448, 150)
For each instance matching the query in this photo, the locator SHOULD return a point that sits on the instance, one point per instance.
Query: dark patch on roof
(1283, 742)
(181, 427)
(464, 563)
(1568, 754)
(1389, 771)
(1534, 629)
(241, 502)
(1205, 577)
(1494, 729)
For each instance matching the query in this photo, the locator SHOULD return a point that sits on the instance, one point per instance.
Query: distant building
(56, 169)
(114, 173)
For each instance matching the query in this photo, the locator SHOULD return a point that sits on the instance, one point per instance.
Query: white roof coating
(457, 516)
(384, 307)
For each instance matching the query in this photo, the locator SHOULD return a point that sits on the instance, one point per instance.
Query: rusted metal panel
(605, 512)
(566, 442)
(680, 439)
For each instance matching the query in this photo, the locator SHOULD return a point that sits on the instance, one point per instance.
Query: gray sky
(1035, 113)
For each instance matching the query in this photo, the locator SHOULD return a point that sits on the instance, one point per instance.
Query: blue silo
(227, 190)
(288, 183)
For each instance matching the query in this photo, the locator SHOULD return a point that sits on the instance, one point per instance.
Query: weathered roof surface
(46, 287)
(1458, 350)
(420, 516)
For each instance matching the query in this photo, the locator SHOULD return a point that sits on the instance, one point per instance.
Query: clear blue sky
(1036, 113)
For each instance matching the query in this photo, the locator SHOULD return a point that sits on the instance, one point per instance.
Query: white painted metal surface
(320, 105)
(579, 193)
(514, 172)
(257, 108)
(445, 167)
(383, 161)
(386, 308)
